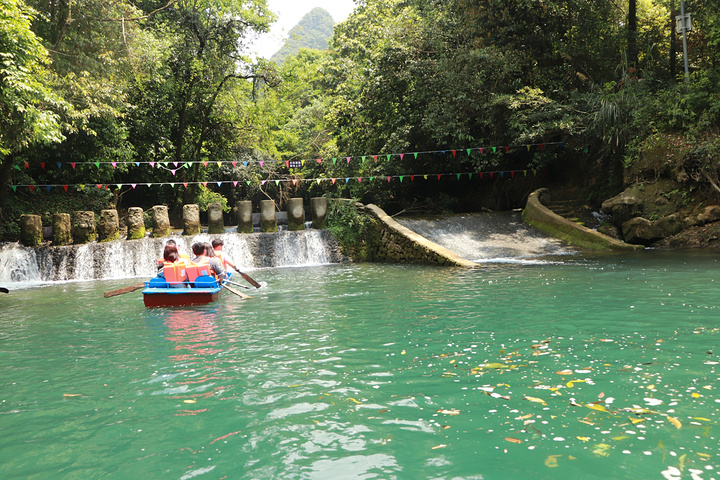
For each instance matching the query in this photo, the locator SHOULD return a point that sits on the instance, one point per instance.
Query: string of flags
(294, 181)
(174, 167)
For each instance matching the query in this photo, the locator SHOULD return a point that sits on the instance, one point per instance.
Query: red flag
(32, 187)
(234, 164)
(73, 165)
(65, 187)
(439, 175)
(42, 164)
(99, 186)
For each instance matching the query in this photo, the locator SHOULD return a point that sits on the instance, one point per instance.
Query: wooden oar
(120, 291)
(4, 290)
(237, 284)
(249, 279)
(236, 292)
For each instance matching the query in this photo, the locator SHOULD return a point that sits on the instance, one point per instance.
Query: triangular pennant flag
(359, 179)
(235, 183)
(262, 182)
(188, 165)
(425, 177)
(347, 180)
(507, 149)
(204, 184)
(219, 184)
(176, 164)
(152, 164)
(454, 152)
(262, 163)
(401, 157)
(512, 174)
(27, 165)
(481, 151)
(133, 185)
(245, 164)
(48, 187)
(114, 164)
(412, 178)
(149, 185)
(481, 175)
(416, 154)
(470, 175)
(334, 160)
(348, 159)
(469, 150)
(388, 156)
(494, 149)
(173, 172)
(172, 185)
(524, 173)
(31, 187)
(401, 178)
(204, 164)
(107, 187)
(247, 182)
(14, 187)
(73, 165)
(99, 187)
(541, 146)
(374, 158)
(42, 164)
(319, 160)
(137, 164)
(388, 179)
(119, 185)
(372, 178)
(302, 162)
(528, 147)
(97, 164)
(458, 175)
(491, 175)
(17, 167)
(219, 164)
(165, 164)
(333, 180)
(294, 181)
(234, 164)
(82, 187)
(277, 182)
(318, 181)
(59, 164)
(502, 174)
(287, 163)
(185, 184)
(363, 159)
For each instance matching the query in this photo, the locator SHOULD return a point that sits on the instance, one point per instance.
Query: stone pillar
(268, 219)
(108, 226)
(83, 227)
(244, 215)
(31, 230)
(62, 229)
(318, 210)
(191, 219)
(135, 223)
(216, 224)
(160, 221)
(296, 214)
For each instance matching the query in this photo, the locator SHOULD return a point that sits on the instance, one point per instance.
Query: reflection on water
(603, 368)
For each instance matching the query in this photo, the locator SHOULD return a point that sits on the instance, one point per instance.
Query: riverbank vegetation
(417, 105)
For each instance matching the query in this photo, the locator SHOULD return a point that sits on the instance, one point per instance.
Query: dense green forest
(431, 105)
(312, 32)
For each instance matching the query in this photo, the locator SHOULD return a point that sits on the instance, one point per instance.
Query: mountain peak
(312, 31)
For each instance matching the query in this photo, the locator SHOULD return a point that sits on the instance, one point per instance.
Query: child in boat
(217, 245)
(183, 256)
(201, 251)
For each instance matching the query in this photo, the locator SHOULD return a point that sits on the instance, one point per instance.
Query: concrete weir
(542, 218)
(400, 244)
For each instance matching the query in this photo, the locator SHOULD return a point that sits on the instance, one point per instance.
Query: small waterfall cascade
(138, 258)
(496, 237)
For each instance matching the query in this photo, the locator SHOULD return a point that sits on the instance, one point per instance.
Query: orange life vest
(221, 255)
(200, 268)
(175, 272)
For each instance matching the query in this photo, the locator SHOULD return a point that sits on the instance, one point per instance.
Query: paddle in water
(236, 292)
(120, 291)
(4, 290)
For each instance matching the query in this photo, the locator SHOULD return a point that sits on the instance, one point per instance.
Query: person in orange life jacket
(217, 245)
(200, 250)
(183, 256)
(171, 257)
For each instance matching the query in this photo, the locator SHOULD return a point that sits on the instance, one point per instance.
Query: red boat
(203, 290)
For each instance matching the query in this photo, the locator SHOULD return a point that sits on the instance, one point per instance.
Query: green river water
(594, 368)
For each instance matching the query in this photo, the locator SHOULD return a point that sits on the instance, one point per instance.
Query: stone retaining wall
(542, 218)
(399, 244)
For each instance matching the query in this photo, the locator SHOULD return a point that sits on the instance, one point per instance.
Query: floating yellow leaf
(403, 352)
(536, 400)
(599, 408)
(442, 445)
(525, 417)
(601, 450)
(617, 439)
(551, 461)
(452, 411)
(703, 455)
(564, 372)
(702, 419)
(67, 395)
(695, 395)
(634, 420)
(495, 365)
(584, 439)
(513, 440)
(354, 400)
(674, 421)
(189, 401)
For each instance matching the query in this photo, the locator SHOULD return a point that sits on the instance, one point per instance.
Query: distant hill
(313, 31)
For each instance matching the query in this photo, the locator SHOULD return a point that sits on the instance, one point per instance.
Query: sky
(289, 13)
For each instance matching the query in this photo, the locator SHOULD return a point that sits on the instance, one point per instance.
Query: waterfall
(138, 258)
(497, 237)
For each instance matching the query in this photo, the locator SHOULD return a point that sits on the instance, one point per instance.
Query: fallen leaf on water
(636, 420)
(584, 439)
(72, 394)
(674, 421)
(599, 408)
(702, 419)
(695, 395)
(442, 445)
(551, 461)
(617, 439)
(513, 440)
(445, 427)
(525, 417)
(703, 455)
(354, 400)
(452, 411)
(536, 400)
(384, 410)
(564, 372)
(601, 450)
(189, 401)
(495, 365)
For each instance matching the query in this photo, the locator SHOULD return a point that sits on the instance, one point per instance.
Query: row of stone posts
(82, 228)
